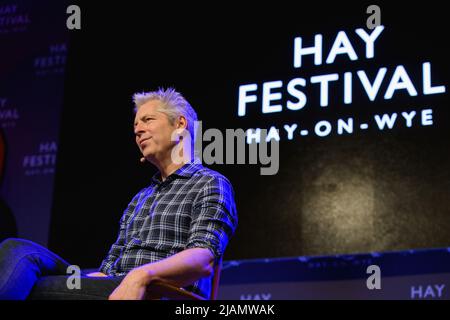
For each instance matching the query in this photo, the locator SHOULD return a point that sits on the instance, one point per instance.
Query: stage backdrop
(362, 118)
(34, 45)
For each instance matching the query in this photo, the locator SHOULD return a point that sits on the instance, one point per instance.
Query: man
(173, 230)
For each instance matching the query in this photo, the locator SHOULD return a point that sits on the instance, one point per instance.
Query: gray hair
(173, 104)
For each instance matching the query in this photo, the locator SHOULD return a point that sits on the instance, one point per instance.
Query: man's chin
(149, 156)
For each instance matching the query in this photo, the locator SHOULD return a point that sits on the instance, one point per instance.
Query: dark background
(369, 191)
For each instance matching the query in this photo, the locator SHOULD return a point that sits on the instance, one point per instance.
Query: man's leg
(22, 263)
(91, 288)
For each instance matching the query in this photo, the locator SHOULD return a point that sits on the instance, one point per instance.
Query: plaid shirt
(193, 208)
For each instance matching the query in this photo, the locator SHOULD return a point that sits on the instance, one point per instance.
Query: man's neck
(167, 168)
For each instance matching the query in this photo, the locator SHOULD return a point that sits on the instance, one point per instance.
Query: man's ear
(182, 123)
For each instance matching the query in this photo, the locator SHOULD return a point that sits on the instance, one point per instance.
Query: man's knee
(12, 244)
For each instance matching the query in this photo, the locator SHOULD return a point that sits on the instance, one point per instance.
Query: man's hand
(180, 269)
(132, 287)
(96, 274)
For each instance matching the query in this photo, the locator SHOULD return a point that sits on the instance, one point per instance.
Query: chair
(160, 289)
(156, 290)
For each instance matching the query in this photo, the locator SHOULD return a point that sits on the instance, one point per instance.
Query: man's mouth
(142, 142)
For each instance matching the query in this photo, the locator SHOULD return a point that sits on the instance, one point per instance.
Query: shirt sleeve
(116, 249)
(214, 218)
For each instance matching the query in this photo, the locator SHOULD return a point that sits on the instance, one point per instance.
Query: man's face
(153, 131)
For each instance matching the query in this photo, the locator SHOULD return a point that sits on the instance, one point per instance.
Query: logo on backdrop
(428, 291)
(13, 19)
(265, 98)
(43, 162)
(9, 115)
(52, 62)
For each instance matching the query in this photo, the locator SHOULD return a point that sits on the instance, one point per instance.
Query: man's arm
(117, 247)
(214, 220)
(181, 269)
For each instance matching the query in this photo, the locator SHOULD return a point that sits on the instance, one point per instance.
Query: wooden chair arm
(159, 289)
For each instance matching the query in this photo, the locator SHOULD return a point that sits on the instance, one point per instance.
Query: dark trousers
(30, 271)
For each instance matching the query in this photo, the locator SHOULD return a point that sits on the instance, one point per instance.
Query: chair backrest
(216, 280)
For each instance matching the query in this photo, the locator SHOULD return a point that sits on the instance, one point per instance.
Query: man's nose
(138, 129)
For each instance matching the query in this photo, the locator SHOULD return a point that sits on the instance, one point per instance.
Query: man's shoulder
(208, 175)
(213, 183)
